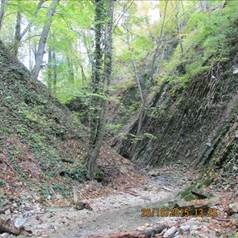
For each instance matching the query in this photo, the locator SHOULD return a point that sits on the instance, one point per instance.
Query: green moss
(2, 182)
(186, 194)
(62, 189)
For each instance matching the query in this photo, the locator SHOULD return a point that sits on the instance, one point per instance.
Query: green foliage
(2, 182)
(44, 190)
(61, 189)
(33, 114)
(113, 127)
(205, 36)
(77, 173)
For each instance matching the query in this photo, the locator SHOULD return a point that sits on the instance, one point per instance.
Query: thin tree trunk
(87, 47)
(43, 39)
(49, 71)
(28, 27)
(30, 51)
(178, 28)
(138, 83)
(2, 12)
(54, 72)
(70, 69)
(156, 53)
(100, 81)
(108, 46)
(17, 35)
(142, 109)
(84, 79)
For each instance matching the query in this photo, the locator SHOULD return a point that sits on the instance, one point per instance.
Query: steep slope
(37, 133)
(43, 145)
(195, 120)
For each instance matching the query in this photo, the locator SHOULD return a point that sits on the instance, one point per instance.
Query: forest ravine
(118, 119)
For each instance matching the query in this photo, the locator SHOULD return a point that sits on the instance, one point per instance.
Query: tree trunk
(2, 12)
(100, 81)
(30, 51)
(138, 83)
(179, 28)
(84, 78)
(49, 70)
(7, 226)
(43, 39)
(28, 27)
(17, 35)
(156, 53)
(95, 86)
(54, 67)
(70, 68)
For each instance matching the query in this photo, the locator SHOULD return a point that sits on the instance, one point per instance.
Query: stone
(234, 207)
(170, 232)
(184, 228)
(19, 222)
(4, 235)
(235, 70)
(154, 173)
(8, 212)
(235, 217)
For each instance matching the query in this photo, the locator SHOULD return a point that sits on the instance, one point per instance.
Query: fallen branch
(9, 227)
(199, 195)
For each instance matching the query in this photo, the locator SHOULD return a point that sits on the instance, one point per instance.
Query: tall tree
(52, 70)
(70, 68)
(28, 27)
(17, 36)
(2, 12)
(159, 43)
(49, 69)
(102, 67)
(138, 80)
(43, 39)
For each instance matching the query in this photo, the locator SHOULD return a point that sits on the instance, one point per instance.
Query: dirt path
(114, 213)
(121, 211)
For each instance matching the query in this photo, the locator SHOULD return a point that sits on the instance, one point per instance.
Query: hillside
(35, 138)
(118, 119)
(193, 121)
(43, 145)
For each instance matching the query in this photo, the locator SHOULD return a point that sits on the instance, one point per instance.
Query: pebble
(234, 207)
(4, 235)
(184, 228)
(19, 221)
(7, 212)
(170, 232)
